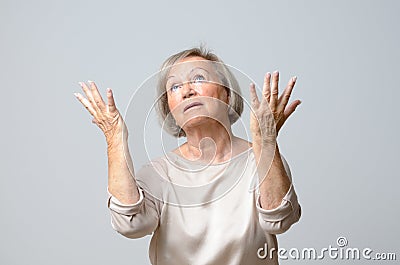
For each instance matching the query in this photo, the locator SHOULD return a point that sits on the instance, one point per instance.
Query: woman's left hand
(269, 115)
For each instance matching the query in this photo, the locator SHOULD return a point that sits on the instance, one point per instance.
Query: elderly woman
(197, 201)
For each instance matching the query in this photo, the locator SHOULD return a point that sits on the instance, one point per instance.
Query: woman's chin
(196, 121)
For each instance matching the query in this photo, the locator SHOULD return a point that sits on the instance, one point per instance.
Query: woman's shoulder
(151, 177)
(157, 163)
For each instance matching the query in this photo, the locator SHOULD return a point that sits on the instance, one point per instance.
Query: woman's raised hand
(105, 116)
(271, 110)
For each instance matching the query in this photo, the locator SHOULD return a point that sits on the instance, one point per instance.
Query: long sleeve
(280, 219)
(134, 220)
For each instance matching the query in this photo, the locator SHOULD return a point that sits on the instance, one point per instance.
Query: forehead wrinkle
(191, 71)
(198, 67)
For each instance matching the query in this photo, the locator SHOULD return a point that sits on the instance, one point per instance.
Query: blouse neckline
(197, 163)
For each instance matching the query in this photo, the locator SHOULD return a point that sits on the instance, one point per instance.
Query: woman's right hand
(105, 116)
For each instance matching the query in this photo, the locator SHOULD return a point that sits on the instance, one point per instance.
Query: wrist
(117, 142)
(263, 141)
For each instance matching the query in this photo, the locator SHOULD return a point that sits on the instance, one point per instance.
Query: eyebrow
(170, 77)
(189, 72)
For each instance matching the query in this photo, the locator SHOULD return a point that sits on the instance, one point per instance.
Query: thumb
(291, 108)
(288, 111)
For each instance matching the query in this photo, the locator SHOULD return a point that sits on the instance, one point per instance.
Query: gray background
(341, 143)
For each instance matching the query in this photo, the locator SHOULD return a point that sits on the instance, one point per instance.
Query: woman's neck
(210, 143)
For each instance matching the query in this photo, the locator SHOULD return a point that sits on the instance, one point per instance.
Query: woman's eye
(199, 79)
(175, 87)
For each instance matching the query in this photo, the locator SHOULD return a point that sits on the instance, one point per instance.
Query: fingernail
(76, 94)
(276, 72)
(80, 83)
(294, 78)
(108, 89)
(90, 81)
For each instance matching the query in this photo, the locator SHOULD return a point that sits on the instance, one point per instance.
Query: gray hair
(228, 80)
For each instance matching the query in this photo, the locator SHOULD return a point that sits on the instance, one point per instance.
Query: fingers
(85, 102)
(255, 102)
(110, 100)
(277, 105)
(98, 100)
(267, 87)
(93, 95)
(274, 91)
(284, 98)
(94, 103)
(87, 91)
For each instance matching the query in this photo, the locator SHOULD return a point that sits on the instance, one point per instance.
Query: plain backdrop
(341, 143)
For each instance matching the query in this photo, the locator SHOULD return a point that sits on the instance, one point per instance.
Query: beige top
(204, 214)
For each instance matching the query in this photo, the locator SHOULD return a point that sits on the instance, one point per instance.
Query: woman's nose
(188, 90)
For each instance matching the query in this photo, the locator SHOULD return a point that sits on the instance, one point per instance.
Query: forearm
(121, 180)
(274, 182)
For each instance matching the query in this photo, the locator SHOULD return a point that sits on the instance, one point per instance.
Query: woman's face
(195, 93)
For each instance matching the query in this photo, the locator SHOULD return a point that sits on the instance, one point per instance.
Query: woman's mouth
(191, 105)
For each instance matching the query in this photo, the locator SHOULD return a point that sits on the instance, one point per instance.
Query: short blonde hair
(228, 80)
